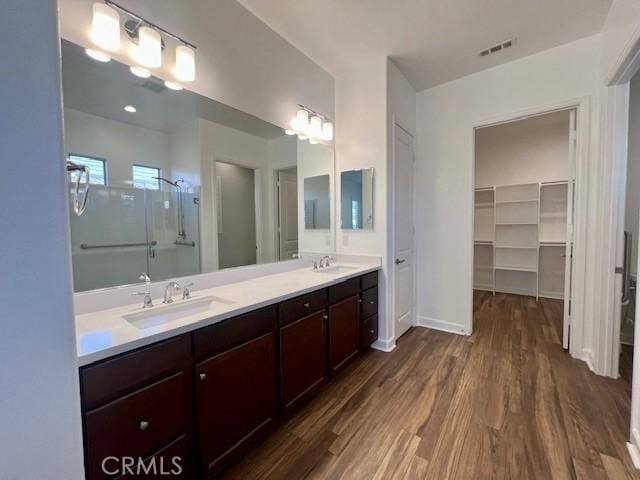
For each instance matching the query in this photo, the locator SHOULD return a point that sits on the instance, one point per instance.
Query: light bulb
(302, 136)
(290, 132)
(185, 63)
(327, 131)
(140, 72)
(130, 109)
(105, 27)
(149, 49)
(302, 122)
(98, 55)
(315, 127)
(313, 141)
(172, 85)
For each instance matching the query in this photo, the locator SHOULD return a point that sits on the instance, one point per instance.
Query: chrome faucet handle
(145, 277)
(315, 265)
(168, 292)
(147, 302)
(186, 293)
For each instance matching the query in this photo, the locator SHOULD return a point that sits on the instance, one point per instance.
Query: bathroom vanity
(212, 387)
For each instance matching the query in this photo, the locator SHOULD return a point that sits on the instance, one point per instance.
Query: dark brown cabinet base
(190, 405)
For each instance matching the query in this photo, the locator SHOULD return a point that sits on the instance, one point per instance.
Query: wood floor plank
(506, 403)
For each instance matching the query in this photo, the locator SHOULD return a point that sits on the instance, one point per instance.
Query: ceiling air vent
(153, 85)
(498, 47)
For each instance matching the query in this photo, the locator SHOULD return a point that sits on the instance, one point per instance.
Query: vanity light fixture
(130, 109)
(105, 27)
(140, 72)
(185, 63)
(148, 52)
(98, 55)
(310, 125)
(172, 85)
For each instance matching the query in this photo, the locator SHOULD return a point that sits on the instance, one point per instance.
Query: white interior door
(287, 214)
(403, 218)
(568, 268)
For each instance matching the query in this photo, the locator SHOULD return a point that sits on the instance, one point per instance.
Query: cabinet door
(303, 358)
(236, 399)
(344, 336)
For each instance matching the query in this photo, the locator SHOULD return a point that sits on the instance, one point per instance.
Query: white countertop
(105, 333)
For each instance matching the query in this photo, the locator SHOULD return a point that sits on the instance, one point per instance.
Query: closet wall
(521, 201)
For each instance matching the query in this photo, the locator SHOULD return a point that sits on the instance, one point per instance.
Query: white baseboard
(387, 346)
(441, 325)
(632, 447)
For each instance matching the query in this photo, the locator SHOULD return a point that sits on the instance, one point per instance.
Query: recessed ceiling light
(130, 109)
(98, 55)
(172, 85)
(140, 72)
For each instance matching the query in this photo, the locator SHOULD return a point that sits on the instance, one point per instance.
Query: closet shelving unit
(520, 238)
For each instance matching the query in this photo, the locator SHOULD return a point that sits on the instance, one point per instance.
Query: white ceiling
(431, 41)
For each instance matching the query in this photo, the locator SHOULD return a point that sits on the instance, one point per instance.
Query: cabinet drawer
(172, 461)
(344, 290)
(369, 280)
(303, 358)
(344, 341)
(369, 303)
(368, 332)
(115, 377)
(236, 399)
(136, 425)
(222, 336)
(299, 307)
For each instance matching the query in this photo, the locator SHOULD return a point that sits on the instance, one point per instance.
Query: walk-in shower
(179, 186)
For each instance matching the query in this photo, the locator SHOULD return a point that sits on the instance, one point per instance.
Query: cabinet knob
(325, 317)
(306, 305)
(203, 376)
(359, 300)
(371, 302)
(372, 332)
(144, 425)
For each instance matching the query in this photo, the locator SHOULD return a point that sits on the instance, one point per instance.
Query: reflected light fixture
(172, 85)
(130, 109)
(105, 27)
(140, 72)
(185, 63)
(98, 55)
(148, 52)
(310, 125)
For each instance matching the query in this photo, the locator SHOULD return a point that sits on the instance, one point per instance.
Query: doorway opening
(236, 215)
(631, 228)
(524, 199)
(286, 197)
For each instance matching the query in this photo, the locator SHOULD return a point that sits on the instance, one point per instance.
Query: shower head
(173, 184)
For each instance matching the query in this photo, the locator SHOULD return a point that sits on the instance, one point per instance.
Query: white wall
(120, 144)
(241, 62)
(446, 118)
(40, 404)
(529, 151)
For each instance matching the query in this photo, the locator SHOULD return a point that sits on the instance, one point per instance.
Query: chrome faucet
(147, 302)
(186, 293)
(325, 261)
(168, 292)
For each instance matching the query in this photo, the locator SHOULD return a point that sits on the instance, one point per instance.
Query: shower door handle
(152, 251)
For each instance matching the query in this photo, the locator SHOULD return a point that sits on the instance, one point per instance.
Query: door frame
(276, 212)
(391, 307)
(615, 154)
(581, 106)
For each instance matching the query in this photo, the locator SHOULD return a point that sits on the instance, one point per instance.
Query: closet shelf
(484, 205)
(559, 243)
(483, 242)
(526, 200)
(522, 247)
(516, 268)
(515, 223)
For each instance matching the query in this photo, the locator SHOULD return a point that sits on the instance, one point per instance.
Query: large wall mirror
(356, 199)
(180, 184)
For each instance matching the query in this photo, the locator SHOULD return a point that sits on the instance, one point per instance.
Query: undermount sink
(336, 269)
(161, 314)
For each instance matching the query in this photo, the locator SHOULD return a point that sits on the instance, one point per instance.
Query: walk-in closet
(523, 206)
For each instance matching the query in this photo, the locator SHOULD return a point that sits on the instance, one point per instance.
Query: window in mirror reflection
(356, 203)
(97, 168)
(146, 177)
(317, 211)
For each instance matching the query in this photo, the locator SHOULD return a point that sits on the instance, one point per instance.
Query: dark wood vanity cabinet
(204, 397)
